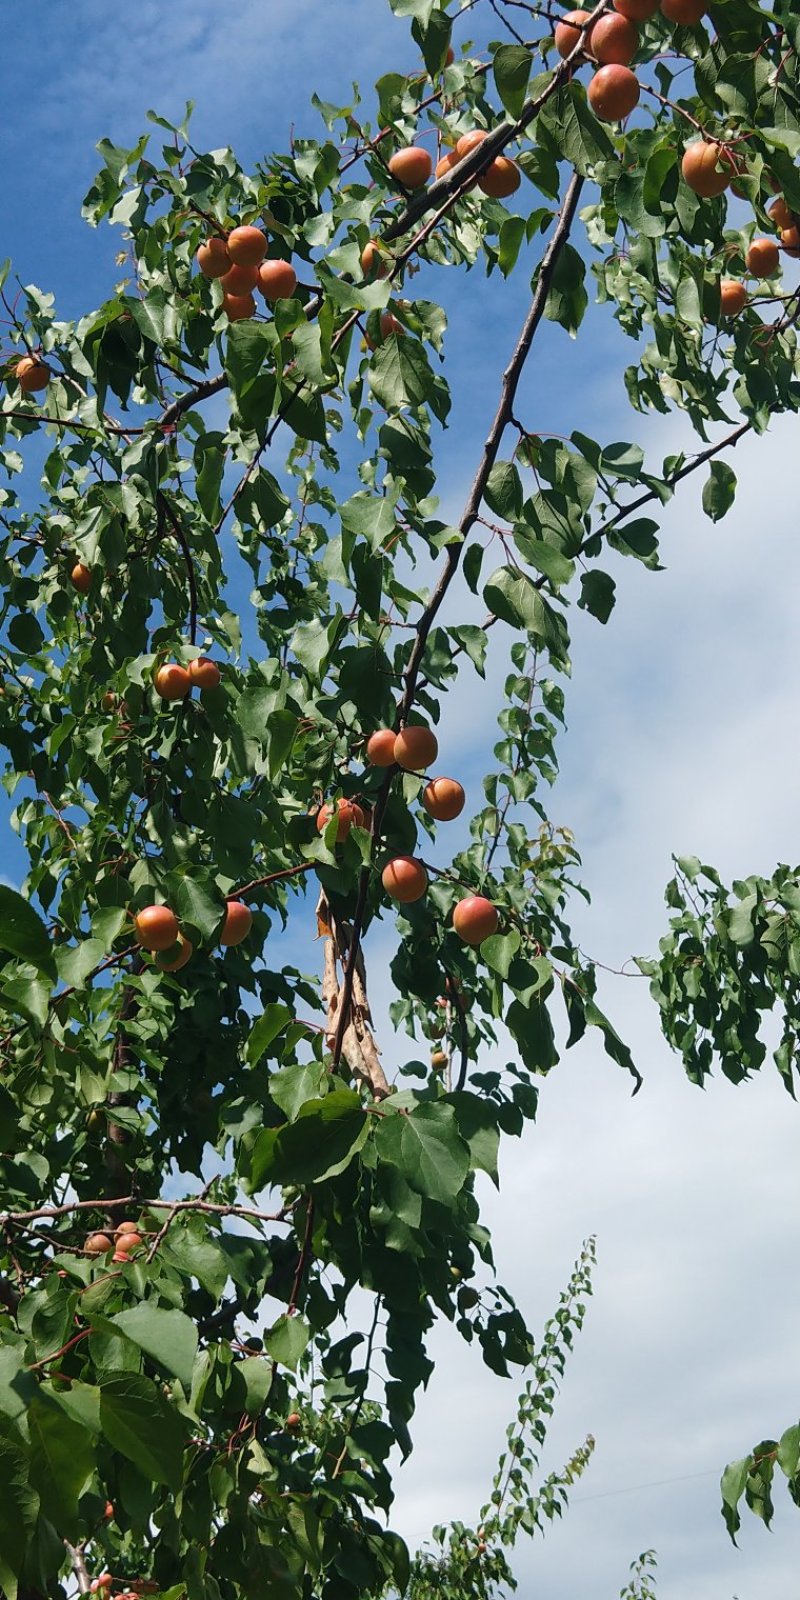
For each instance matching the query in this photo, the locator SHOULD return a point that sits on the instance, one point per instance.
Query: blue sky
(681, 736)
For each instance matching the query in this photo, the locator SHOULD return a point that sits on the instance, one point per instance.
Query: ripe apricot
(380, 748)
(372, 262)
(790, 241)
(404, 879)
(81, 577)
(238, 307)
(172, 681)
(120, 1255)
(614, 40)
(98, 1244)
(469, 141)
(501, 178)
(475, 918)
(636, 10)
(247, 246)
(411, 166)
(204, 673)
(169, 963)
(32, 374)
(294, 1419)
(237, 924)
(780, 214)
(732, 297)
(156, 928)
(763, 258)
(568, 32)
(613, 93)
(686, 12)
(415, 747)
(213, 259)
(277, 280)
(126, 1244)
(439, 1059)
(239, 280)
(443, 798)
(348, 812)
(699, 168)
(127, 1227)
(446, 163)
(108, 1513)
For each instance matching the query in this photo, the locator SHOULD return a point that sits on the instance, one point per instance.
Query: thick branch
(78, 1567)
(511, 379)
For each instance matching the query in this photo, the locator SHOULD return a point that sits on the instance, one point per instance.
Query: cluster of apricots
(122, 1241)
(612, 42)
(239, 262)
(708, 166)
(173, 682)
(405, 878)
(157, 930)
(102, 1586)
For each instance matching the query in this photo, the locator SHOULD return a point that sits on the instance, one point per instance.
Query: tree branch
(511, 379)
(166, 510)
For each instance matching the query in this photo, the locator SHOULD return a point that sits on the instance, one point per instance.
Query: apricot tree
(206, 1166)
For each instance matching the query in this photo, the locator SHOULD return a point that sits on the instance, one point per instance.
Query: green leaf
(287, 1340)
(294, 1085)
(499, 950)
(19, 1509)
(503, 492)
(598, 594)
(719, 490)
(574, 130)
(433, 39)
(732, 1487)
(198, 905)
(567, 298)
(512, 69)
(400, 374)
(62, 1461)
(168, 1336)
(788, 1457)
(138, 1422)
(513, 597)
(74, 963)
(272, 1021)
(555, 566)
(427, 1149)
(22, 931)
(323, 1140)
(247, 347)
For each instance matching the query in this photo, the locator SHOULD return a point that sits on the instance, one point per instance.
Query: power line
(658, 1483)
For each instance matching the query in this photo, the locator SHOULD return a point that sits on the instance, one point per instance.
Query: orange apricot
(446, 163)
(238, 307)
(686, 12)
(239, 280)
(380, 748)
(247, 246)
(373, 264)
(470, 141)
(614, 40)
(763, 258)
(415, 747)
(781, 214)
(32, 374)
(169, 963)
(81, 577)
(443, 799)
(277, 280)
(204, 673)
(790, 241)
(348, 812)
(613, 93)
(213, 259)
(475, 918)
(172, 681)
(732, 297)
(237, 924)
(636, 10)
(156, 928)
(411, 166)
(501, 178)
(568, 32)
(97, 1244)
(700, 169)
(404, 879)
